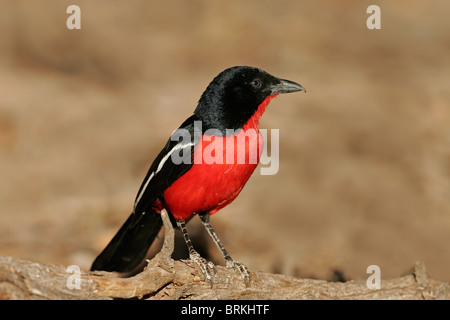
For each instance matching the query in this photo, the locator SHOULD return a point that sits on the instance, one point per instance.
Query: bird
(201, 169)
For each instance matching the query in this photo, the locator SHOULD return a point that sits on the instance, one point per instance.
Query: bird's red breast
(215, 179)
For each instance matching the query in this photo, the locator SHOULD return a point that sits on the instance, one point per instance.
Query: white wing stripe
(160, 166)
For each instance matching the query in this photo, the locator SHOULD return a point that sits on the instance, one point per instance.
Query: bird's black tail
(129, 246)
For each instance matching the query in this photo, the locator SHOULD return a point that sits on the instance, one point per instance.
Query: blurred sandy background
(364, 156)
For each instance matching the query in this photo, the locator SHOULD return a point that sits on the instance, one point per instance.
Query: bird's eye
(256, 83)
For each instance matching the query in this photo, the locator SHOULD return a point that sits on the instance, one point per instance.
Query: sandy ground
(364, 168)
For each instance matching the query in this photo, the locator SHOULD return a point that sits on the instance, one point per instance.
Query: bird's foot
(207, 267)
(243, 270)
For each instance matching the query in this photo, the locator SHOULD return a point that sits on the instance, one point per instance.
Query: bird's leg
(204, 265)
(230, 263)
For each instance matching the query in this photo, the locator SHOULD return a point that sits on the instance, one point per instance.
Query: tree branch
(168, 279)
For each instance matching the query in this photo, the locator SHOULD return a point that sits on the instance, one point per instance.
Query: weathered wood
(167, 279)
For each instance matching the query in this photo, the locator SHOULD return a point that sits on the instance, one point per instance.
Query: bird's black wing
(129, 246)
(174, 160)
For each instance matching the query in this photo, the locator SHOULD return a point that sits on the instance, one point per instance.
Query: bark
(167, 279)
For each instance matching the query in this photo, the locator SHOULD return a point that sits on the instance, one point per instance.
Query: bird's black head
(235, 94)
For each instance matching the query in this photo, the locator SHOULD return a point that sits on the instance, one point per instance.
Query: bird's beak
(286, 86)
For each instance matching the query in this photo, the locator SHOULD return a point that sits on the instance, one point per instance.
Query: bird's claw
(205, 266)
(243, 270)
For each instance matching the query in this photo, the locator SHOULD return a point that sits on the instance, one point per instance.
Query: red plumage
(211, 186)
